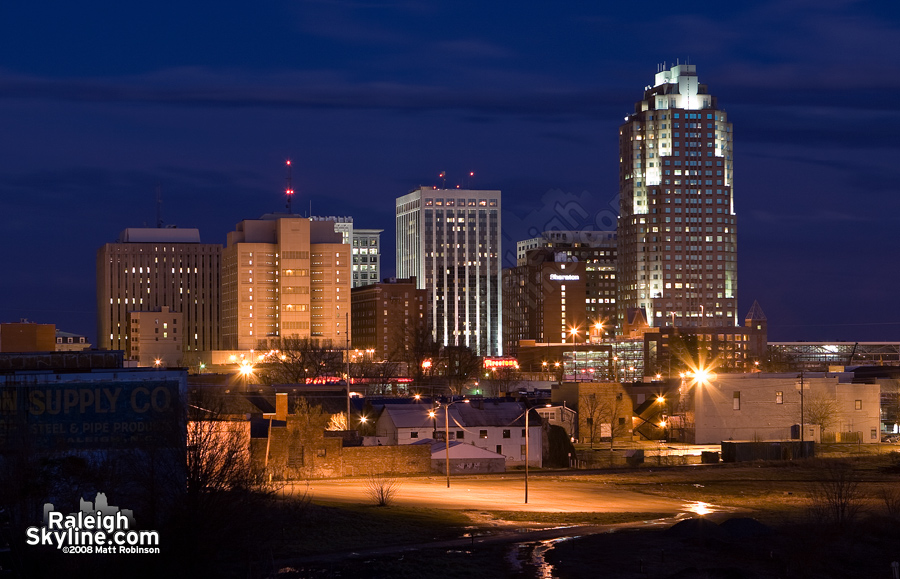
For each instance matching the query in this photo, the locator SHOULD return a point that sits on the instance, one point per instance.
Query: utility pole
(802, 447)
(527, 410)
(347, 335)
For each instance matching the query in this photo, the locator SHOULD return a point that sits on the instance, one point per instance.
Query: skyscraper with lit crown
(677, 236)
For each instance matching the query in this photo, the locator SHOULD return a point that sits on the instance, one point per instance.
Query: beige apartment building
(151, 268)
(284, 276)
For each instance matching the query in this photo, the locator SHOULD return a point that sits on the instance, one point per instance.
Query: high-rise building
(677, 259)
(366, 248)
(148, 268)
(387, 316)
(597, 249)
(449, 239)
(366, 256)
(544, 300)
(284, 276)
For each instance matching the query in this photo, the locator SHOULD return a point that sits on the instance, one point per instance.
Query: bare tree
(337, 421)
(218, 449)
(589, 410)
(414, 348)
(376, 375)
(837, 498)
(502, 380)
(613, 411)
(299, 360)
(459, 364)
(821, 410)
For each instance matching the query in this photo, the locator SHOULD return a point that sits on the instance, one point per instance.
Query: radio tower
(289, 190)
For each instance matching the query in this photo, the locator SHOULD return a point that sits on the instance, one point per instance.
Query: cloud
(821, 217)
(473, 48)
(203, 87)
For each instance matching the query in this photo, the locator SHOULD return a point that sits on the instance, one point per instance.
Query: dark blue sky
(101, 102)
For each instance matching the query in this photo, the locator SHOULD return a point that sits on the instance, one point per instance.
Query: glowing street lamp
(446, 406)
(574, 332)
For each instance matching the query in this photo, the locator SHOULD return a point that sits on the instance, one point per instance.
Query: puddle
(527, 559)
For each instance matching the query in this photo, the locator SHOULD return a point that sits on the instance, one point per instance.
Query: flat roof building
(149, 268)
(449, 240)
(284, 276)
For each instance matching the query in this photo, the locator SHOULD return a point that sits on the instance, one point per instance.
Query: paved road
(496, 493)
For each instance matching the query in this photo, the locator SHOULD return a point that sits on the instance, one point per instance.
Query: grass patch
(556, 518)
(325, 529)
(487, 561)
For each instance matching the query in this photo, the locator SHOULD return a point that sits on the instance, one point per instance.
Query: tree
(415, 348)
(820, 409)
(589, 409)
(836, 497)
(613, 412)
(604, 404)
(299, 360)
(459, 364)
(501, 380)
(775, 360)
(376, 375)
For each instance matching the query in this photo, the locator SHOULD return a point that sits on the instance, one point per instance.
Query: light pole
(426, 365)
(446, 406)
(527, 411)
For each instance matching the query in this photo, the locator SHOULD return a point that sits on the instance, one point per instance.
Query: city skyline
(371, 101)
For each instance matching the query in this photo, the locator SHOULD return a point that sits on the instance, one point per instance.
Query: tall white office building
(449, 239)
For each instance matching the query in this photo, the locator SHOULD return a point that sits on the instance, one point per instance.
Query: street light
(446, 406)
(426, 365)
(574, 332)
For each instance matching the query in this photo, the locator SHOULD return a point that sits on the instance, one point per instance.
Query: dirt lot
(796, 531)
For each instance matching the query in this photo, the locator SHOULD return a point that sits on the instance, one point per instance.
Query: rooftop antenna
(289, 190)
(443, 177)
(159, 223)
(469, 180)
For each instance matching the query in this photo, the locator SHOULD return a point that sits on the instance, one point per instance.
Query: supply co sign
(83, 416)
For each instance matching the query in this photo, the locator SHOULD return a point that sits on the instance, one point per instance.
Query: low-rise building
(69, 342)
(492, 425)
(771, 407)
(155, 338)
(25, 336)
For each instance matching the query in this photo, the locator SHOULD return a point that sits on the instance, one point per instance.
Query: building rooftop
(159, 235)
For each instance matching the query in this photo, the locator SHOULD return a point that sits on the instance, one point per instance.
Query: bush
(836, 498)
(382, 489)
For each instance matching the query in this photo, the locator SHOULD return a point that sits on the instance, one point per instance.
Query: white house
(495, 426)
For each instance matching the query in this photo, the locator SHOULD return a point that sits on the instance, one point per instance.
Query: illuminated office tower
(449, 239)
(149, 268)
(677, 257)
(284, 276)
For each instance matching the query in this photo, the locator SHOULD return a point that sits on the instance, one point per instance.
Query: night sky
(100, 103)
